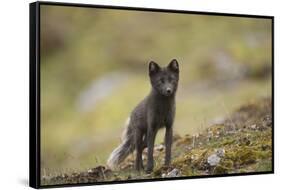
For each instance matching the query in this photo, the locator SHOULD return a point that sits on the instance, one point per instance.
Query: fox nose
(169, 90)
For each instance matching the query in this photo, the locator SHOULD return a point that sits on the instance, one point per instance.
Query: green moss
(265, 165)
(186, 170)
(228, 141)
(199, 157)
(157, 172)
(219, 169)
(230, 154)
(242, 156)
(247, 156)
(227, 163)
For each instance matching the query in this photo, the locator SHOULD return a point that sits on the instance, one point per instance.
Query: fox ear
(174, 66)
(153, 68)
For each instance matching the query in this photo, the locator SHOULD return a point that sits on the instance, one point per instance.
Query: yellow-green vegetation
(242, 143)
(245, 139)
(224, 62)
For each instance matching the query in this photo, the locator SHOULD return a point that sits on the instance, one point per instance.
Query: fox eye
(162, 80)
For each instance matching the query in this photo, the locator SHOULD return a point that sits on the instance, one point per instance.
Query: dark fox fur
(155, 111)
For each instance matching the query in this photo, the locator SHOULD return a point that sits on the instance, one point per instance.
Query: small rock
(174, 173)
(220, 152)
(192, 157)
(267, 121)
(188, 148)
(90, 171)
(213, 160)
(160, 147)
(253, 127)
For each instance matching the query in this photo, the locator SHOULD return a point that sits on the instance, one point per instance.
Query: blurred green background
(94, 72)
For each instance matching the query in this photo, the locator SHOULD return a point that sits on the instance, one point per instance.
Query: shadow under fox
(155, 111)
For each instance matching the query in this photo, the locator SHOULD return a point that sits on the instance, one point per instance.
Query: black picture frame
(34, 91)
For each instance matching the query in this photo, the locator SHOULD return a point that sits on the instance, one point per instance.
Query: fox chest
(161, 115)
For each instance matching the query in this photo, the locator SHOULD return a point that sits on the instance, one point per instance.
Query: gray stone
(213, 160)
(220, 152)
(174, 173)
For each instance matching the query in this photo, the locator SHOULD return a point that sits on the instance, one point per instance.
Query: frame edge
(34, 154)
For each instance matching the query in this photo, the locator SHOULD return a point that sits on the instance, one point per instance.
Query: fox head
(164, 79)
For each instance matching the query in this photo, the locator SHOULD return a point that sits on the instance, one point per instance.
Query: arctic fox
(155, 111)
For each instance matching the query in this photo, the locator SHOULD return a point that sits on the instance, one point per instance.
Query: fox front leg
(151, 133)
(168, 144)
